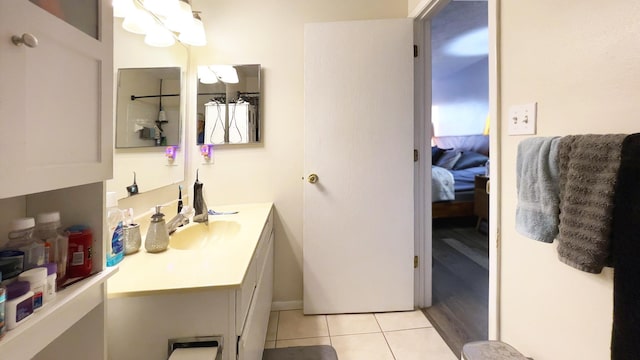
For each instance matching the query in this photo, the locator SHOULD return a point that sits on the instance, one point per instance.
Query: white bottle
(37, 279)
(115, 222)
(49, 230)
(21, 238)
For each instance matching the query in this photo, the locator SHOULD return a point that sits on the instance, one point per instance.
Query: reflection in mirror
(148, 107)
(228, 105)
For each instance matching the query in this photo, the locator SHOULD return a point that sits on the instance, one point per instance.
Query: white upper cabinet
(56, 101)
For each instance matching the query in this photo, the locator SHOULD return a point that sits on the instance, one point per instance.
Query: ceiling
(458, 37)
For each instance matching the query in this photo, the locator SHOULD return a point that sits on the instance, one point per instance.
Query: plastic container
(19, 304)
(50, 289)
(132, 239)
(21, 238)
(115, 222)
(79, 262)
(11, 263)
(37, 279)
(49, 230)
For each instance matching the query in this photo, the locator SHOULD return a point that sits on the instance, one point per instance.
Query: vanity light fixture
(161, 21)
(213, 73)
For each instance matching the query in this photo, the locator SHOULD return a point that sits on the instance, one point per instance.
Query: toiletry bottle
(80, 261)
(37, 279)
(157, 239)
(19, 304)
(131, 233)
(21, 238)
(50, 288)
(49, 230)
(115, 221)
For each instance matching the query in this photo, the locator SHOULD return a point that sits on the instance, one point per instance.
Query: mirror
(228, 105)
(148, 107)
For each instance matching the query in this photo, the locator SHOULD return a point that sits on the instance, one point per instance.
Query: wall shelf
(69, 306)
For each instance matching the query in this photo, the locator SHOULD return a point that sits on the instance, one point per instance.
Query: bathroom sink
(200, 235)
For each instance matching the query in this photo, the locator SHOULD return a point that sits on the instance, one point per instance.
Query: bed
(453, 175)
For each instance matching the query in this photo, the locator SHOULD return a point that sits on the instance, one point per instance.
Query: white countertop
(220, 265)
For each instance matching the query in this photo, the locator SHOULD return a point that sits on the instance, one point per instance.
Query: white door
(358, 216)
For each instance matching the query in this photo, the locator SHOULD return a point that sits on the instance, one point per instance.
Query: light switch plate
(522, 119)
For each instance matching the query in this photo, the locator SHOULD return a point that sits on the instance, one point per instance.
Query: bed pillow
(470, 159)
(436, 152)
(448, 159)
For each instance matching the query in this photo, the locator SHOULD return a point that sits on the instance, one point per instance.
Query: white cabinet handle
(27, 39)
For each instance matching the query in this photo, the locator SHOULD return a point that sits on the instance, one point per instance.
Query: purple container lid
(17, 289)
(11, 253)
(52, 268)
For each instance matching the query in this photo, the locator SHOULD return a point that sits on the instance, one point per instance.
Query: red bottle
(79, 261)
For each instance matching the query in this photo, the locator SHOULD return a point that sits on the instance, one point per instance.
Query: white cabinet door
(358, 135)
(251, 343)
(56, 100)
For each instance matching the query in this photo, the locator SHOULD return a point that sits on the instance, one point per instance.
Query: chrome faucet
(179, 220)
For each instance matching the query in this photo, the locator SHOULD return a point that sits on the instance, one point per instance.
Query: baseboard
(286, 305)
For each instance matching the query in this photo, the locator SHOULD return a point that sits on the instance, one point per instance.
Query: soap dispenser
(157, 239)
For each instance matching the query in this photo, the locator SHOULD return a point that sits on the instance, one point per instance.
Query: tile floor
(384, 336)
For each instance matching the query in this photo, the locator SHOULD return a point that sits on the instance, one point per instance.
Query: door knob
(26, 39)
(312, 179)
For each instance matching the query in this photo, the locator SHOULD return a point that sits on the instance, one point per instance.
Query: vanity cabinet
(56, 96)
(153, 298)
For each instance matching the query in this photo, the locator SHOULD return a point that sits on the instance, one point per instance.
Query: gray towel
(537, 183)
(589, 167)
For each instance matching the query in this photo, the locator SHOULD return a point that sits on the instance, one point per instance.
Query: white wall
(270, 33)
(579, 60)
(462, 101)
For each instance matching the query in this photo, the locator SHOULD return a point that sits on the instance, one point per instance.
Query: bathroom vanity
(215, 279)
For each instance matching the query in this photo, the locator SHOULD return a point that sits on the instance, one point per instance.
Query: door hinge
(416, 155)
(415, 51)
(416, 262)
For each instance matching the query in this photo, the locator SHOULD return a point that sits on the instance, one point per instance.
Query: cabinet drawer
(252, 339)
(244, 295)
(264, 245)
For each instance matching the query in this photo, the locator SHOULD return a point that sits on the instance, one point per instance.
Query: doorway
(463, 294)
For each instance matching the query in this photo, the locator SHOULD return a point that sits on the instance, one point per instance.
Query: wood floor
(460, 282)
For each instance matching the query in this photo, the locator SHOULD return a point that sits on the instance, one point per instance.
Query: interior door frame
(422, 13)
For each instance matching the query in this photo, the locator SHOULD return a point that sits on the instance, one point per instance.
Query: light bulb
(138, 22)
(206, 76)
(194, 35)
(162, 8)
(159, 36)
(225, 73)
(181, 19)
(122, 8)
